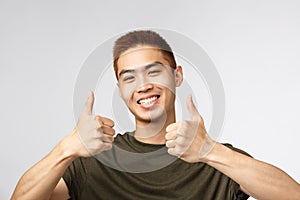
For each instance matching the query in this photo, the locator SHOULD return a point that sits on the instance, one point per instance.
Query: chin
(152, 116)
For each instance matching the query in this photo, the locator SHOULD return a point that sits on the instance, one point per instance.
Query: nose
(145, 87)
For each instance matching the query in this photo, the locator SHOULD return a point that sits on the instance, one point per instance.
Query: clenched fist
(188, 139)
(93, 133)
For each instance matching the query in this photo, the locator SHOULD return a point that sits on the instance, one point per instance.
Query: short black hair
(142, 37)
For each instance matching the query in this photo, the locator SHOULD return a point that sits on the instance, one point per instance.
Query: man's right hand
(92, 134)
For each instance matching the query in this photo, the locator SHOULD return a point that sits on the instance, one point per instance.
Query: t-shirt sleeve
(75, 177)
(238, 193)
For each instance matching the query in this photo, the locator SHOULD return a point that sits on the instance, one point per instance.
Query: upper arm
(61, 191)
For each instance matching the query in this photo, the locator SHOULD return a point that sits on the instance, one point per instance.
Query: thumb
(88, 106)
(192, 108)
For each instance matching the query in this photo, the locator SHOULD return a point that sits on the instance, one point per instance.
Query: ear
(178, 76)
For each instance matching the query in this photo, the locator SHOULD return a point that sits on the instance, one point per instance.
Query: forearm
(96, 135)
(259, 179)
(40, 180)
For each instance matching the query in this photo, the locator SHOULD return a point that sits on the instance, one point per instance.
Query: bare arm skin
(189, 141)
(61, 191)
(256, 178)
(40, 180)
(93, 134)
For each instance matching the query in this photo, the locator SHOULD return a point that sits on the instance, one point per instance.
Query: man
(147, 77)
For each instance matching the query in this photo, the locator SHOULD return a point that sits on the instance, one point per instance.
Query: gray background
(254, 45)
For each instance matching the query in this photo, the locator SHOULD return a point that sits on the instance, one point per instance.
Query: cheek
(166, 82)
(126, 92)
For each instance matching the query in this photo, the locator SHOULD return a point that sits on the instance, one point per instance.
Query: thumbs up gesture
(188, 139)
(93, 133)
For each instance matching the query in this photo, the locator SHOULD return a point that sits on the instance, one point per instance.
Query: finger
(171, 135)
(195, 115)
(108, 130)
(107, 146)
(170, 144)
(173, 152)
(107, 138)
(99, 126)
(172, 127)
(108, 121)
(102, 137)
(181, 141)
(105, 120)
(88, 106)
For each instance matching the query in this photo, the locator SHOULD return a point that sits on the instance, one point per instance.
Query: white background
(254, 44)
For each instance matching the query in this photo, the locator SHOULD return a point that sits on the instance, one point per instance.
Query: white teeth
(148, 100)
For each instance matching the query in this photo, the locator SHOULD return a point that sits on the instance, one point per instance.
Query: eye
(154, 72)
(128, 78)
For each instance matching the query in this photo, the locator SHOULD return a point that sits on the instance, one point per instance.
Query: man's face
(147, 83)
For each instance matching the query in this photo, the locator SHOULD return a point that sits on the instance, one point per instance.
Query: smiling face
(147, 84)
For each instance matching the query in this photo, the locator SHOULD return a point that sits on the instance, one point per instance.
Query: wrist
(216, 154)
(67, 147)
(207, 149)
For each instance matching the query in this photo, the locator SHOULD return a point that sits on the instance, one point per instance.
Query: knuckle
(99, 126)
(180, 142)
(179, 150)
(177, 141)
(170, 151)
(113, 131)
(108, 146)
(112, 123)
(168, 143)
(97, 118)
(99, 145)
(97, 134)
(110, 138)
(167, 136)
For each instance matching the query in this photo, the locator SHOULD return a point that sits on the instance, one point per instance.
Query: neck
(153, 132)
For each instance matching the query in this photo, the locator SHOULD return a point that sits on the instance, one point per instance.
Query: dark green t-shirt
(125, 176)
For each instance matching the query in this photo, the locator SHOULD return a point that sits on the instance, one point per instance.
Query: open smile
(148, 101)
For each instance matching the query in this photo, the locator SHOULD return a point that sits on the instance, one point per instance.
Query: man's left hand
(188, 139)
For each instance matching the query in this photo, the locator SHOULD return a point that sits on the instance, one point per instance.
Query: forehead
(140, 56)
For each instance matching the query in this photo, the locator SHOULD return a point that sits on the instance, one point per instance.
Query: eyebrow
(146, 67)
